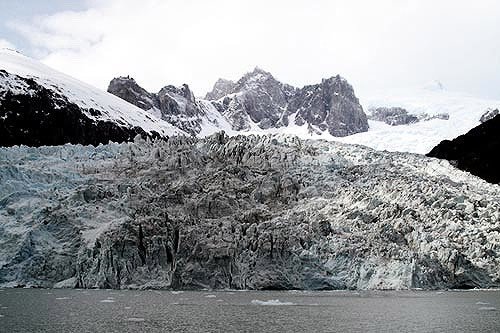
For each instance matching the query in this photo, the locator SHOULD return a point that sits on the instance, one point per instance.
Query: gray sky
(376, 45)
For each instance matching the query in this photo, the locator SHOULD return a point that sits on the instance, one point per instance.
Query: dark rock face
(477, 151)
(489, 114)
(258, 97)
(126, 88)
(177, 106)
(393, 116)
(330, 105)
(39, 116)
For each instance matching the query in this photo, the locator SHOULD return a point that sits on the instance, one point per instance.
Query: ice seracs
(243, 212)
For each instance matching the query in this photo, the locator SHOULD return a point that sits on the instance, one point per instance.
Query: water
(42, 310)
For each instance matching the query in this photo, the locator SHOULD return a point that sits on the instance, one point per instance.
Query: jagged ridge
(256, 101)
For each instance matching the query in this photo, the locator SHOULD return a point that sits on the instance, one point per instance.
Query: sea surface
(65, 310)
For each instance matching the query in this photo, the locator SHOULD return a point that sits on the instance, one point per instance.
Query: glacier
(243, 212)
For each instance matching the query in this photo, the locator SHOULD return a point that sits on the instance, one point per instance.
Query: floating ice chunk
(271, 302)
(108, 301)
(135, 319)
(62, 298)
(482, 303)
(210, 296)
(487, 308)
(128, 307)
(176, 292)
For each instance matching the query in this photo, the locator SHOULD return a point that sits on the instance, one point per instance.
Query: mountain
(259, 99)
(40, 106)
(442, 114)
(255, 103)
(221, 88)
(175, 105)
(243, 212)
(477, 151)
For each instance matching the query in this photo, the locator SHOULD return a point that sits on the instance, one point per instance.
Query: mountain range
(256, 101)
(182, 200)
(398, 120)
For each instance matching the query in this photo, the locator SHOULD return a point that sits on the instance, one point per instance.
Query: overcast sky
(374, 44)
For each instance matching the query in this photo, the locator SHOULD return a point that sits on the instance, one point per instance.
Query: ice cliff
(256, 212)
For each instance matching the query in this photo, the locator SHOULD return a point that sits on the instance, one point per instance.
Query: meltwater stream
(42, 310)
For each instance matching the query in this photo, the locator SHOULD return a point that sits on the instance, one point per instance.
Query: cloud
(374, 44)
(5, 44)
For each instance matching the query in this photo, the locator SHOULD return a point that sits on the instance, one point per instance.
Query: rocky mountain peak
(329, 106)
(256, 99)
(176, 105)
(255, 79)
(182, 91)
(126, 88)
(221, 88)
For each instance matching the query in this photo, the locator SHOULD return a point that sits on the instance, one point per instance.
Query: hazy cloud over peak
(374, 44)
(6, 44)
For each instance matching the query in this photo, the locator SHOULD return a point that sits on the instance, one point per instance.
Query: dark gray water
(37, 310)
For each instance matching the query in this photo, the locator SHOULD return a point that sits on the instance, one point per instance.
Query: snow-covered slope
(88, 98)
(464, 114)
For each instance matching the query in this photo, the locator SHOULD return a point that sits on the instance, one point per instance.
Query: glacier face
(257, 212)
